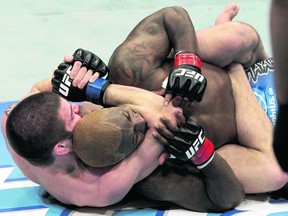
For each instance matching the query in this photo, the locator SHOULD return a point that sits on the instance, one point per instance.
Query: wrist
(95, 91)
(187, 58)
(204, 155)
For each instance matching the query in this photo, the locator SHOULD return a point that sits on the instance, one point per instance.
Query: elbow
(218, 204)
(175, 12)
(226, 203)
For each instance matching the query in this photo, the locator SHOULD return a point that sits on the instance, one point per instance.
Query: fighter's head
(107, 136)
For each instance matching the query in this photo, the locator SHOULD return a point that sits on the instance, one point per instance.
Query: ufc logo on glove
(65, 83)
(196, 145)
(189, 73)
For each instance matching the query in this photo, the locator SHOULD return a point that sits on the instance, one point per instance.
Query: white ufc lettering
(195, 146)
(189, 73)
(66, 83)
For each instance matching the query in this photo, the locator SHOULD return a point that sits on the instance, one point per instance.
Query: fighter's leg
(214, 188)
(253, 161)
(230, 11)
(230, 42)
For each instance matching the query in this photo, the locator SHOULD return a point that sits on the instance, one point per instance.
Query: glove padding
(189, 142)
(91, 61)
(186, 80)
(62, 85)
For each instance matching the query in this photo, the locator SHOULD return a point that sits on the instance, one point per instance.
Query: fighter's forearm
(116, 95)
(147, 103)
(222, 185)
(180, 29)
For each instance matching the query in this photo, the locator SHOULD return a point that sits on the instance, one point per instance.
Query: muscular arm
(144, 101)
(141, 59)
(255, 154)
(109, 187)
(180, 30)
(214, 188)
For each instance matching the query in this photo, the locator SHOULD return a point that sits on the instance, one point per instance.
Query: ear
(63, 147)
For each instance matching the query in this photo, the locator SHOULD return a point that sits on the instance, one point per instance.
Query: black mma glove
(91, 61)
(186, 80)
(189, 143)
(62, 85)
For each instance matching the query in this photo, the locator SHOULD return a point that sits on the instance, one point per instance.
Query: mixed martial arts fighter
(228, 112)
(43, 148)
(245, 147)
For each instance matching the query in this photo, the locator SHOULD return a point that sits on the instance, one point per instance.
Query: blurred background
(35, 35)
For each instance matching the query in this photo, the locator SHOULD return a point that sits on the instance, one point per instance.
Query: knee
(277, 178)
(226, 204)
(248, 43)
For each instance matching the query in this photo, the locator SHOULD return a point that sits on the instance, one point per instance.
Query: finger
(159, 138)
(75, 69)
(176, 101)
(164, 131)
(163, 157)
(87, 59)
(167, 99)
(180, 117)
(94, 77)
(193, 104)
(169, 125)
(185, 102)
(85, 79)
(80, 75)
(68, 58)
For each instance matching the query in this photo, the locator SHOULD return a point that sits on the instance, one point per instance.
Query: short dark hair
(34, 127)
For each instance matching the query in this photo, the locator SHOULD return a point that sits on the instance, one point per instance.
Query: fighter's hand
(87, 67)
(62, 85)
(185, 80)
(188, 142)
